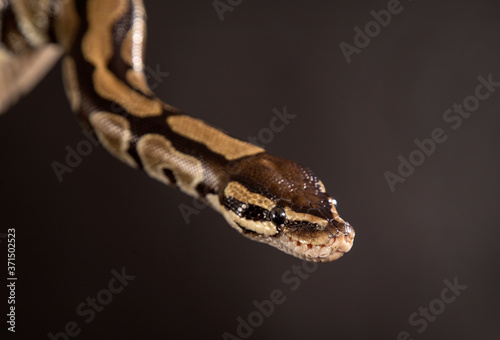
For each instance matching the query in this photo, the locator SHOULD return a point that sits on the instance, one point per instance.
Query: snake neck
(107, 88)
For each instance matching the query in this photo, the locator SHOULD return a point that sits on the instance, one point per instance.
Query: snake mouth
(316, 245)
(324, 246)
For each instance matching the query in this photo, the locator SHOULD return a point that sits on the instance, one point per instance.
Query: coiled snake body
(265, 198)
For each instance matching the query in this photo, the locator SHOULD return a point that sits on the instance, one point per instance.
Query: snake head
(278, 202)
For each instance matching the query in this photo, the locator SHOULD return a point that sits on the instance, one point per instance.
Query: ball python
(101, 43)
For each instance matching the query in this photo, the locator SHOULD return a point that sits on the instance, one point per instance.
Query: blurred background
(435, 228)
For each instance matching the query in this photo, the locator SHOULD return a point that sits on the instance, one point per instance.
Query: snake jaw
(338, 243)
(329, 244)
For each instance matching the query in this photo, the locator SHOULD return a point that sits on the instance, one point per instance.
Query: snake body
(265, 198)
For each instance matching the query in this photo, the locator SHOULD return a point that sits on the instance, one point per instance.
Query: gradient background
(353, 121)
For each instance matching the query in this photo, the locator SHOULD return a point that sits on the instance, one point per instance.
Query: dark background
(353, 121)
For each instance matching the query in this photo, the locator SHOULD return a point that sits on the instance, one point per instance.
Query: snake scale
(101, 42)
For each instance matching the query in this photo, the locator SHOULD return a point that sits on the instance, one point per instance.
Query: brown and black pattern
(11, 38)
(266, 198)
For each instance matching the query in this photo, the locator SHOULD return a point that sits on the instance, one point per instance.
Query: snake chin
(336, 247)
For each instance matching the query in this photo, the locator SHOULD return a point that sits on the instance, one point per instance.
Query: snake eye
(278, 216)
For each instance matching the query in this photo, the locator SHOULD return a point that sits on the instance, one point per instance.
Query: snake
(101, 45)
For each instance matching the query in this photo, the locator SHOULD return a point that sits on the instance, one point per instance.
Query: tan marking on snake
(138, 81)
(241, 193)
(32, 20)
(217, 141)
(213, 201)
(126, 48)
(114, 133)
(157, 153)
(131, 52)
(138, 35)
(321, 186)
(296, 216)
(70, 80)
(66, 24)
(97, 48)
(266, 228)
